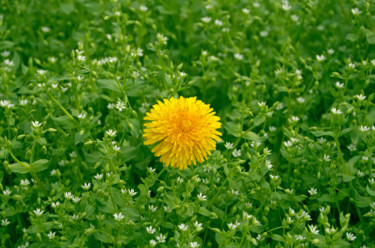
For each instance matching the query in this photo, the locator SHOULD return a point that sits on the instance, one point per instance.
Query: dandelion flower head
(184, 130)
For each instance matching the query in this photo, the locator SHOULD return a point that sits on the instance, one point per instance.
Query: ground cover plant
(292, 83)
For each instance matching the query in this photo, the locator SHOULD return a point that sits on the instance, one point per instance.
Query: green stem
(61, 107)
(343, 166)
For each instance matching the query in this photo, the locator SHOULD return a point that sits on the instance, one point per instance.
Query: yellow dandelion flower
(185, 130)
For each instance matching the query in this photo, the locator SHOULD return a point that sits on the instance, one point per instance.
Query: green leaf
(233, 129)
(352, 37)
(81, 136)
(345, 131)
(131, 213)
(40, 165)
(277, 237)
(259, 119)
(110, 84)
(370, 191)
(103, 236)
(322, 133)
(251, 136)
(17, 168)
(370, 36)
(67, 8)
(64, 122)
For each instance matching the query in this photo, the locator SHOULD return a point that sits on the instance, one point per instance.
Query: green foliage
(292, 82)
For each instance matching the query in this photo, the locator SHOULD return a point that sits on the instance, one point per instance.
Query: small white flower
(202, 197)
(131, 192)
(150, 230)
(7, 192)
(152, 208)
(55, 204)
(300, 237)
(264, 33)
(111, 133)
(286, 6)
(351, 65)
(206, 19)
(280, 106)
(120, 106)
(209, 6)
(247, 216)
(194, 244)
(355, 11)
(51, 235)
(371, 181)
(313, 191)
(161, 238)
(81, 116)
(322, 209)
(98, 176)
(350, 236)
(68, 195)
(331, 51)
(198, 225)
(180, 180)
(86, 186)
(23, 102)
(41, 72)
(352, 147)
(236, 153)
(76, 199)
(118, 216)
(256, 4)
(300, 99)
(153, 243)
(320, 57)
(360, 173)
(167, 209)
(245, 11)
(294, 18)
(238, 56)
(274, 178)
(81, 58)
(116, 148)
(313, 229)
(183, 227)
(9, 63)
(232, 226)
(361, 97)
(73, 154)
(213, 58)
(373, 62)
(24, 182)
(5, 53)
(272, 129)
(5, 222)
(364, 158)
(336, 111)
(143, 8)
(326, 158)
(218, 23)
(364, 128)
(364, 62)
(269, 164)
(151, 170)
(262, 104)
(36, 124)
(295, 118)
(228, 145)
(45, 29)
(161, 38)
(38, 212)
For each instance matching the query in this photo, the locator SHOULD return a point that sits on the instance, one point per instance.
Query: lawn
(178, 123)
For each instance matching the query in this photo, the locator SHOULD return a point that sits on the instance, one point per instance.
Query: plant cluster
(292, 82)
